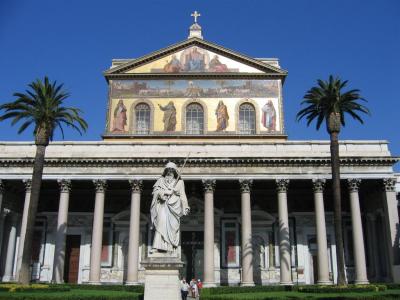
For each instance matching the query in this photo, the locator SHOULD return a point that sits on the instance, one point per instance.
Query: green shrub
(254, 289)
(393, 286)
(352, 288)
(42, 288)
(105, 287)
(73, 295)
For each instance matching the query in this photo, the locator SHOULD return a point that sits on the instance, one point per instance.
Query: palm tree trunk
(335, 164)
(24, 273)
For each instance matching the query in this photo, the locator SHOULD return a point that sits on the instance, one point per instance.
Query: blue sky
(74, 41)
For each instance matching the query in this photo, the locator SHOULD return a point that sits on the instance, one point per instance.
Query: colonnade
(209, 185)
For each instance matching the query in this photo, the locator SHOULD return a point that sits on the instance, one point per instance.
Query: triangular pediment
(194, 56)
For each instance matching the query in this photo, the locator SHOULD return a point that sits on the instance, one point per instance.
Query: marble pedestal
(162, 278)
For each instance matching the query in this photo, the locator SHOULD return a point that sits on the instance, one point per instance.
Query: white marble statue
(169, 204)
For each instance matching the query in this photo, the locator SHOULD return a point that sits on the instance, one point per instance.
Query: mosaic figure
(269, 116)
(169, 118)
(222, 116)
(120, 118)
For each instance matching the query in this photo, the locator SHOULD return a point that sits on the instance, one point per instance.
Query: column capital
(209, 185)
(282, 185)
(353, 184)
(245, 185)
(28, 185)
(2, 187)
(136, 185)
(389, 184)
(100, 185)
(318, 185)
(65, 185)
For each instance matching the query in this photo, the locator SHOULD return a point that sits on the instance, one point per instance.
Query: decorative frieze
(220, 162)
(65, 185)
(100, 185)
(136, 185)
(318, 185)
(389, 184)
(353, 184)
(245, 185)
(28, 185)
(209, 185)
(282, 185)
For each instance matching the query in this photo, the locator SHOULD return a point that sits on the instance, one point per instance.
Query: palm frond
(326, 98)
(42, 105)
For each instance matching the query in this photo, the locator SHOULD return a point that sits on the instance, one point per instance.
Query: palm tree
(42, 107)
(327, 102)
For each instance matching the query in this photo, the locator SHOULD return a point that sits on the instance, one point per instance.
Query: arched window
(247, 119)
(142, 113)
(194, 119)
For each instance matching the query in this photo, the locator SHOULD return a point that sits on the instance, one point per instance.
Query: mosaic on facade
(194, 88)
(194, 59)
(169, 114)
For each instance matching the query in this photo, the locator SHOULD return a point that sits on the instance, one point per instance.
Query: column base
(209, 284)
(324, 282)
(94, 282)
(250, 283)
(57, 282)
(286, 283)
(7, 278)
(132, 283)
(363, 281)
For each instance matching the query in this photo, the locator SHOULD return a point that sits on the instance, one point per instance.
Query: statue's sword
(180, 172)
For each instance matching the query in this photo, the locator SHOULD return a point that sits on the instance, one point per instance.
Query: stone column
(284, 238)
(271, 251)
(391, 220)
(1, 197)
(323, 260)
(97, 233)
(134, 232)
(28, 187)
(61, 234)
(358, 237)
(2, 215)
(209, 278)
(247, 245)
(373, 247)
(12, 238)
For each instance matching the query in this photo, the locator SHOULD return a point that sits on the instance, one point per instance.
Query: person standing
(184, 289)
(199, 286)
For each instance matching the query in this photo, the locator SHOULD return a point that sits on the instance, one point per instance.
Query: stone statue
(169, 204)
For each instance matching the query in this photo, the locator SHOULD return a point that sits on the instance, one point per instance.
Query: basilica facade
(261, 209)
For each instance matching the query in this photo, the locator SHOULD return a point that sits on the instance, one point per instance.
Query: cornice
(177, 76)
(199, 162)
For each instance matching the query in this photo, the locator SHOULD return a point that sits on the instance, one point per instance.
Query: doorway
(192, 254)
(72, 251)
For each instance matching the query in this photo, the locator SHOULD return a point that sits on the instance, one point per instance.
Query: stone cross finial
(195, 15)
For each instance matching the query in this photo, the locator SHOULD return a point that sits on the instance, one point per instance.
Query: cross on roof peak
(195, 15)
